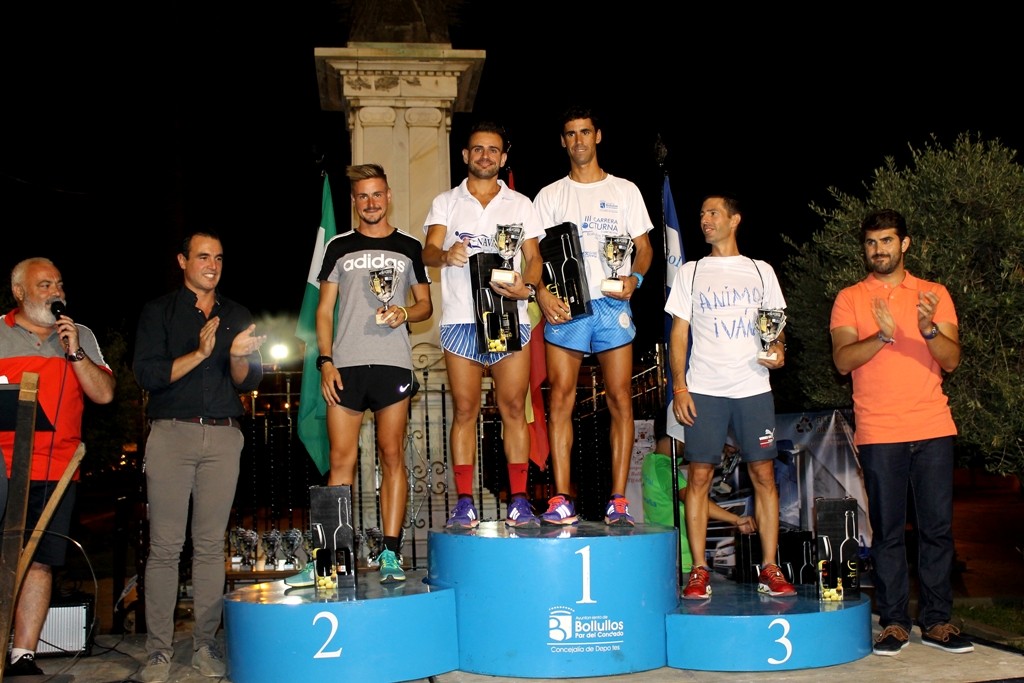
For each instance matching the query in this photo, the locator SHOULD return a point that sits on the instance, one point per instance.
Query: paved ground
(989, 527)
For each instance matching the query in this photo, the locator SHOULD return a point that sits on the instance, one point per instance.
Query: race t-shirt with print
(349, 259)
(609, 207)
(465, 218)
(722, 312)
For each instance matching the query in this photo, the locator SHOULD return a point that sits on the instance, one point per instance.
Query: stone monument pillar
(399, 81)
(399, 99)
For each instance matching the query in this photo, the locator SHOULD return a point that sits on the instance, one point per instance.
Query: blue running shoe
(560, 511)
(520, 514)
(304, 579)
(463, 515)
(390, 568)
(617, 511)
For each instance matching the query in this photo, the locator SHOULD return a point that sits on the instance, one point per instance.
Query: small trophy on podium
(770, 322)
(509, 240)
(246, 543)
(383, 283)
(271, 547)
(291, 541)
(616, 250)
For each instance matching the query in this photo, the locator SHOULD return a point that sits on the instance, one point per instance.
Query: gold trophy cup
(615, 251)
(383, 283)
(509, 240)
(770, 322)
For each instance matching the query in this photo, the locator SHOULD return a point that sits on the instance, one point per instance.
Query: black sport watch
(323, 359)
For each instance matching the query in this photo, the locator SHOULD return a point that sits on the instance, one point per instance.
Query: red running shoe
(699, 585)
(772, 582)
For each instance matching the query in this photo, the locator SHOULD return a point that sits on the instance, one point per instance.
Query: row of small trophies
(287, 550)
(273, 549)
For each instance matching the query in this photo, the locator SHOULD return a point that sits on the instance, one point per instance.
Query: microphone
(58, 308)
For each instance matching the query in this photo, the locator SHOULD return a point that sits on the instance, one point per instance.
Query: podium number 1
(584, 552)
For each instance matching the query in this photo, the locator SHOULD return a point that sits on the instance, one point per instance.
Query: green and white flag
(312, 408)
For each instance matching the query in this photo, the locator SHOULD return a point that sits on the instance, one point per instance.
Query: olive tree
(964, 207)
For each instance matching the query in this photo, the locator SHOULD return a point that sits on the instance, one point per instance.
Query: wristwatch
(932, 333)
(323, 359)
(76, 356)
(533, 291)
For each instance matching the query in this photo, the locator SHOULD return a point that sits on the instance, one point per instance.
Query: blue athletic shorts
(753, 423)
(375, 387)
(460, 339)
(608, 327)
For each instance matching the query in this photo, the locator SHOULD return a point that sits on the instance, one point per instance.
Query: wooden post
(14, 559)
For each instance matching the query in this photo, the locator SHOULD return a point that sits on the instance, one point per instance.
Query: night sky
(125, 130)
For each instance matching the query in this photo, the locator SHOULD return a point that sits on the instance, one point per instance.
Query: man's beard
(372, 220)
(483, 174)
(38, 313)
(886, 267)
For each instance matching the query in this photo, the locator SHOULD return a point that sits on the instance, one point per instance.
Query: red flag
(539, 448)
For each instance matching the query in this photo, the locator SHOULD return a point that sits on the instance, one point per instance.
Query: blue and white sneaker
(304, 579)
(520, 515)
(390, 568)
(560, 511)
(617, 511)
(463, 515)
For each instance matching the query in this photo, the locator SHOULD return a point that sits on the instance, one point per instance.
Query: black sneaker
(891, 641)
(946, 637)
(24, 666)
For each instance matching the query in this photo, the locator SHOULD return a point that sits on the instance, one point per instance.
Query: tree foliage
(964, 207)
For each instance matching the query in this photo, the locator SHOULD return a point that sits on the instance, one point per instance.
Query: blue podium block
(739, 629)
(589, 600)
(275, 633)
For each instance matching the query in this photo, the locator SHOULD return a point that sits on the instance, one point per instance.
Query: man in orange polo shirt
(896, 334)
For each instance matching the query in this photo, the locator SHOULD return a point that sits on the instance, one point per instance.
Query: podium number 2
(333, 619)
(584, 552)
(782, 640)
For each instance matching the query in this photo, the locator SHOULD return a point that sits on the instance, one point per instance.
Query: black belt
(210, 421)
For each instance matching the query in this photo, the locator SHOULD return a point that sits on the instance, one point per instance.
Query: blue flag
(674, 259)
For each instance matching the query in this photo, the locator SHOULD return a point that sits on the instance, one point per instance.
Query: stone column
(399, 99)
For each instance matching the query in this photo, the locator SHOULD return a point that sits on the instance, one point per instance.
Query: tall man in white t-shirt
(715, 301)
(600, 205)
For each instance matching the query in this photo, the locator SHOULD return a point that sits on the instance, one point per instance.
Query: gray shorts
(752, 420)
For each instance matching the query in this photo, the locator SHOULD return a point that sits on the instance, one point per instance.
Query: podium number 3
(782, 640)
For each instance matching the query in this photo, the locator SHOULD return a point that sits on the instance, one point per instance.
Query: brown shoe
(946, 637)
(891, 641)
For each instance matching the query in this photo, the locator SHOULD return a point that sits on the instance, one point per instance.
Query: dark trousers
(925, 470)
